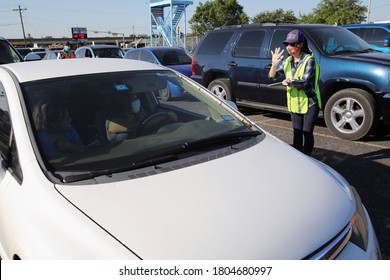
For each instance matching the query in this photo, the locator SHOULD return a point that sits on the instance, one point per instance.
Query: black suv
(233, 62)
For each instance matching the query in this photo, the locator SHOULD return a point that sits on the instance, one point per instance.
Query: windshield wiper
(345, 51)
(75, 176)
(166, 155)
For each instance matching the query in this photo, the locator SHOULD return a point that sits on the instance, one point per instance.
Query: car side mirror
(32, 57)
(386, 43)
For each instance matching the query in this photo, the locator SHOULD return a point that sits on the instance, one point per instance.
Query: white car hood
(253, 204)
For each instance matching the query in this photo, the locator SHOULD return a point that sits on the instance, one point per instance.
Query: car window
(80, 53)
(108, 52)
(278, 36)
(249, 44)
(8, 54)
(375, 36)
(133, 55)
(215, 42)
(173, 56)
(147, 56)
(7, 144)
(88, 53)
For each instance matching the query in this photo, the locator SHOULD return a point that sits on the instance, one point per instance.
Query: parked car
(172, 57)
(52, 54)
(376, 34)
(234, 62)
(195, 180)
(23, 51)
(8, 54)
(99, 51)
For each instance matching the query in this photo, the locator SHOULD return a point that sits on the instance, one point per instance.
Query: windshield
(105, 123)
(334, 41)
(108, 52)
(8, 54)
(173, 57)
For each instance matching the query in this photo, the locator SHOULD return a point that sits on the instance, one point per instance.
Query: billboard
(79, 34)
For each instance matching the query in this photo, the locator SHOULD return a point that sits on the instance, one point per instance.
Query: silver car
(99, 51)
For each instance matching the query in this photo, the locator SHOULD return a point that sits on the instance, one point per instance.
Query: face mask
(66, 48)
(135, 106)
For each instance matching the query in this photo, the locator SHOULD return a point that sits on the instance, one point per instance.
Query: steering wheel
(152, 123)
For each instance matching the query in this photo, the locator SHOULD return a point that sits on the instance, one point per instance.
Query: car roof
(157, 48)
(363, 25)
(47, 69)
(103, 47)
(272, 25)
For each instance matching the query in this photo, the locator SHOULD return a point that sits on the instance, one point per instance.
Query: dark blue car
(172, 57)
(234, 62)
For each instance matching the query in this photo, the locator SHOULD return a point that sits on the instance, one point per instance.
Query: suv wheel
(350, 114)
(221, 88)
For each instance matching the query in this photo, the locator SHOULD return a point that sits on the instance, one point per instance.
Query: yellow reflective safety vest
(297, 100)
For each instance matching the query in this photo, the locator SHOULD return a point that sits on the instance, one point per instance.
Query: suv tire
(351, 114)
(221, 88)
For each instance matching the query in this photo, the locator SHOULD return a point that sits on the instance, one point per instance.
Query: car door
(268, 94)
(244, 65)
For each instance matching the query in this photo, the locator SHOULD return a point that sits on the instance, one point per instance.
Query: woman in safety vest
(303, 94)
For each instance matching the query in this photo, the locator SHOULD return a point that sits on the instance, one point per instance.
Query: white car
(194, 180)
(99, 51)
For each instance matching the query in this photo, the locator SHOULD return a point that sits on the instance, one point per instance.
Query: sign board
(79, 34)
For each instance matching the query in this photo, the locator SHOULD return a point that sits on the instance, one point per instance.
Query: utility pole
(21, 20)
(368, 11)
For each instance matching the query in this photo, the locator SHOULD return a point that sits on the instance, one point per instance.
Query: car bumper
(384, 104)
(199, 79)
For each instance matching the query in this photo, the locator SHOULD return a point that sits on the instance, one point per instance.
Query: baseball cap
(295, 36)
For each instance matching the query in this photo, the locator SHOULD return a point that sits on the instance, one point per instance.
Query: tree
(276, 16)
(217, 13)
(337, 12)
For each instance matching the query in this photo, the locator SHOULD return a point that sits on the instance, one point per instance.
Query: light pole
(368, 11)
(21, 20)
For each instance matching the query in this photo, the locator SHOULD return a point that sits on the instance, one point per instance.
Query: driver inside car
(127, 114)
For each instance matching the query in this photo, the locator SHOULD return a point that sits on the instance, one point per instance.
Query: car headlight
(358, 221)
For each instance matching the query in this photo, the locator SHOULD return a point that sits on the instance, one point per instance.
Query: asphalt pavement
(365, 164)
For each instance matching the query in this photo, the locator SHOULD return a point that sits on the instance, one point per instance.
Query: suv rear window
(215, 42)
(249, 44)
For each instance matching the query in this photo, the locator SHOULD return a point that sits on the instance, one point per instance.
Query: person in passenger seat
(55, 132)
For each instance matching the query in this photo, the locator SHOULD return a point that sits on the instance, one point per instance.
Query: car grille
(331, 249)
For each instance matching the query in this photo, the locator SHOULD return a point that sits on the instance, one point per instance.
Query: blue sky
(55, 18)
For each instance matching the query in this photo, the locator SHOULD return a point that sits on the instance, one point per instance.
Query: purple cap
(295, 36)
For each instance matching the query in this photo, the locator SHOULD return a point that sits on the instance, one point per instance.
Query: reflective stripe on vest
(297, 100)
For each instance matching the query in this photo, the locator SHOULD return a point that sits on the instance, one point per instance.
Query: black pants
(303, 125)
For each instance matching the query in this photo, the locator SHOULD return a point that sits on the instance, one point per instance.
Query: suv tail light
(193, 65)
